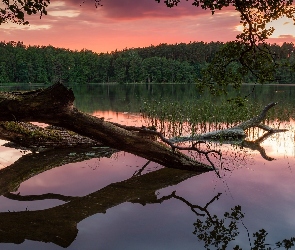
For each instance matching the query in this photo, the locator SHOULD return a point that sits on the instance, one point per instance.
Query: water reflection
(59, 224)
(167, 205)
(219, 233)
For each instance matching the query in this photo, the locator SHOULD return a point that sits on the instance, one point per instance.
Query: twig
(147, 131)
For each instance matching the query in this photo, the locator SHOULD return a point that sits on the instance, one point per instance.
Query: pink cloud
(130, 9)
(147, 8)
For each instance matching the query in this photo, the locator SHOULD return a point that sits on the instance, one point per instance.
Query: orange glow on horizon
(116, 26)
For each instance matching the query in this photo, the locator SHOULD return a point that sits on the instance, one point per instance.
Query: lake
(105, 199)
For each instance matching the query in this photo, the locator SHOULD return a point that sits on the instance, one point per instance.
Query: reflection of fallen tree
(59, 224)
(48, 196)
(237, 134)
(32, 164)
(255, 145)
(198, 210)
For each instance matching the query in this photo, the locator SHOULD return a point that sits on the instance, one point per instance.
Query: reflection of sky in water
(264, 189)
(8, 155)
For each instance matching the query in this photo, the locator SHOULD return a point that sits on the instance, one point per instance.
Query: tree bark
(54, 106)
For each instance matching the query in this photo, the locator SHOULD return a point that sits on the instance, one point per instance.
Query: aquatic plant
(200, 116)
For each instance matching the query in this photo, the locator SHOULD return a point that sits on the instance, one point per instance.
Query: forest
(164, 63)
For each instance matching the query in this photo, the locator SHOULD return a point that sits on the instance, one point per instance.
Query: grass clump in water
(202, 116)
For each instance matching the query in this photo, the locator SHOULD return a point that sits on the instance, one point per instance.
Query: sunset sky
(120, 24)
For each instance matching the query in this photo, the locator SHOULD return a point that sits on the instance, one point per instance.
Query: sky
(119, 24)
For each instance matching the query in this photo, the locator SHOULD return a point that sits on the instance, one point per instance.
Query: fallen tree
(54, 106)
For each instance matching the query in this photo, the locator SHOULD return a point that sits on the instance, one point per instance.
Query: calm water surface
(92, 202)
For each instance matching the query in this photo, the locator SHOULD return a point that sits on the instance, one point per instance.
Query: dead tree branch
(235, 133)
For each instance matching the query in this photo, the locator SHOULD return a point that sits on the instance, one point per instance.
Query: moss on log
(37, 138)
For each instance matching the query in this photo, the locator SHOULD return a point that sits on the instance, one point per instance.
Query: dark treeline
(180, 63)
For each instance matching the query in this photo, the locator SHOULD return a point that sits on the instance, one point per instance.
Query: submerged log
(54, 106)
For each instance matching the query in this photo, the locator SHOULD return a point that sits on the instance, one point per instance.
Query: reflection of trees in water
(95, 97)
(219, 233)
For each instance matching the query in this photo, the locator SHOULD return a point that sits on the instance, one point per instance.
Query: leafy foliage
(179, 63)
(286, 243)
(254, 15)
(15, 11)
(249, 54)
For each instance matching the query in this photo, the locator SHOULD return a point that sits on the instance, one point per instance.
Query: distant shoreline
(136, 83)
